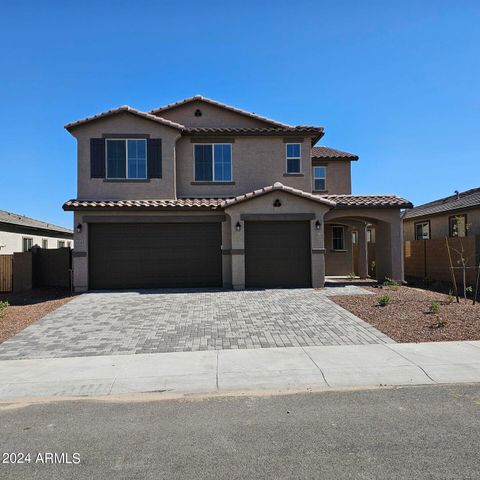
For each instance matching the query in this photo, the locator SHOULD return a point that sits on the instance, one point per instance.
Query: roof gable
(173, 111)
(124, 109)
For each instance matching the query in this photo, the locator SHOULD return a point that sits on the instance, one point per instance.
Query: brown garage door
(155, 255)
(277, 254)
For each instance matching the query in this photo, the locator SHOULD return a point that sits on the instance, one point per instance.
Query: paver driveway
(154, 321)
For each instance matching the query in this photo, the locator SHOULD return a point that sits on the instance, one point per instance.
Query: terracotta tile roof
(369, 201)
(299, 130)
(22, 221)
(217, 104)
(141, 204)
(328, 153)
(467, 199)
(276, 187)
(125, 108)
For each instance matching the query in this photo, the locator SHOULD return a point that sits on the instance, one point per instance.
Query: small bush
(435, 308)
(384, 300)
(3, 308)
(351, 276)
(391, 283)
(450, 298)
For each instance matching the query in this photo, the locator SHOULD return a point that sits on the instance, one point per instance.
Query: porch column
(237, 252)
(389, 251)
(362, 251)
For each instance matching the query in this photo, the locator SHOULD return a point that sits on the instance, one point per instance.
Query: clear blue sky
(397, 82)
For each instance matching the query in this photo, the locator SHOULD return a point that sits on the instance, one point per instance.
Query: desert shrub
(450, 298)
(3, 308)
(391, 283)
(351, 276)
(435, 307)
(384, 300)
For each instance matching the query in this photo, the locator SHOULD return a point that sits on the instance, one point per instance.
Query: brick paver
(155, 321)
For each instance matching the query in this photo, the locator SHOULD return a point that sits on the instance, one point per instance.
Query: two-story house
(201, 194)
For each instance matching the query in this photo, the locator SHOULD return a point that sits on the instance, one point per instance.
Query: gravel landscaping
(28, 307)
(408, 317)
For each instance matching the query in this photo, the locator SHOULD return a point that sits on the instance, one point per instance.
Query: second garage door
(155, 255)
(277, 255)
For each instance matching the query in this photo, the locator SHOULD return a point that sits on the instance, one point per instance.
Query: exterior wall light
(79, 228)
(238, 226)
(318, 225)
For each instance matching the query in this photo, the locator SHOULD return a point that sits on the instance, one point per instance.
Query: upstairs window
(338, 237)
(422, 231)
(60, 244)
(458, 226)
(126, 159)
(294, 155)
(213, 162)
(319, 179)
(44, 243)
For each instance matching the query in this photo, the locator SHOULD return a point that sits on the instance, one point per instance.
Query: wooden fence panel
(6, 273)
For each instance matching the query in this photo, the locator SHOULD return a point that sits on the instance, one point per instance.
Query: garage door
(155, 255)
(277, 254)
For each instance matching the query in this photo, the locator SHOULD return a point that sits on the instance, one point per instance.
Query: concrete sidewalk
(296, 368)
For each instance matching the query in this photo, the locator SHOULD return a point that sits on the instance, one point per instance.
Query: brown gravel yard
(407, 317)
(28, 307)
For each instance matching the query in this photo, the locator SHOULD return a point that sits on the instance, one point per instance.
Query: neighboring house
(201, 194)
(19, 234)
(428, 228)
(455, 216)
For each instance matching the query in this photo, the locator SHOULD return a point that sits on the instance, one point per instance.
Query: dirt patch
(407, 318)
(28, 307)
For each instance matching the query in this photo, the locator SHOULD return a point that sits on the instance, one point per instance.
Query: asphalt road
(404, 433)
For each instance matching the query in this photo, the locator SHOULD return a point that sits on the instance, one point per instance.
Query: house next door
(277, 254)
(155, 255)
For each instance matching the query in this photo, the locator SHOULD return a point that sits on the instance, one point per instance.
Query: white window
(422, 231)
(27, 244)
(294, 155)
(338, 237)
(126, 158)
(458, 226)
(319, 179)
(213, 162)
(60, 244)
(44, 243)
(354, 237)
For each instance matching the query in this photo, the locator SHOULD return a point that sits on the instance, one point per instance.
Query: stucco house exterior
(19, 233)
(202, 194)
(457, 215)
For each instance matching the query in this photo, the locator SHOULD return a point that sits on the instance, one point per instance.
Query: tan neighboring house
(455, 218)
(202, 194)
(449, 216)
(19, 234)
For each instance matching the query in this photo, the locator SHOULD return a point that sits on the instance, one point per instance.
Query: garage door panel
(155, 255)
(277, 254)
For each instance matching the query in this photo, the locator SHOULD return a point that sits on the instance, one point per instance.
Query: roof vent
(198, 112)
(457, 193)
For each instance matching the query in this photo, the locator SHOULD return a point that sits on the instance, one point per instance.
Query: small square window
(293, 154)
(44, 243)
(319, 179)
(458, 226)
(60, 244)
(422, 231)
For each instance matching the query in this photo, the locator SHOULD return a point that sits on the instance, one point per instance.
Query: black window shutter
(154, 157)
(97, 158)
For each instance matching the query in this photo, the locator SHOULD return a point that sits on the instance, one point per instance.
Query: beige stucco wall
(13, 242)
(338, 262)
(212, 116)
(439, 224)
(291, 204)
(256, 162)
(339, 179)
(125, 123)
